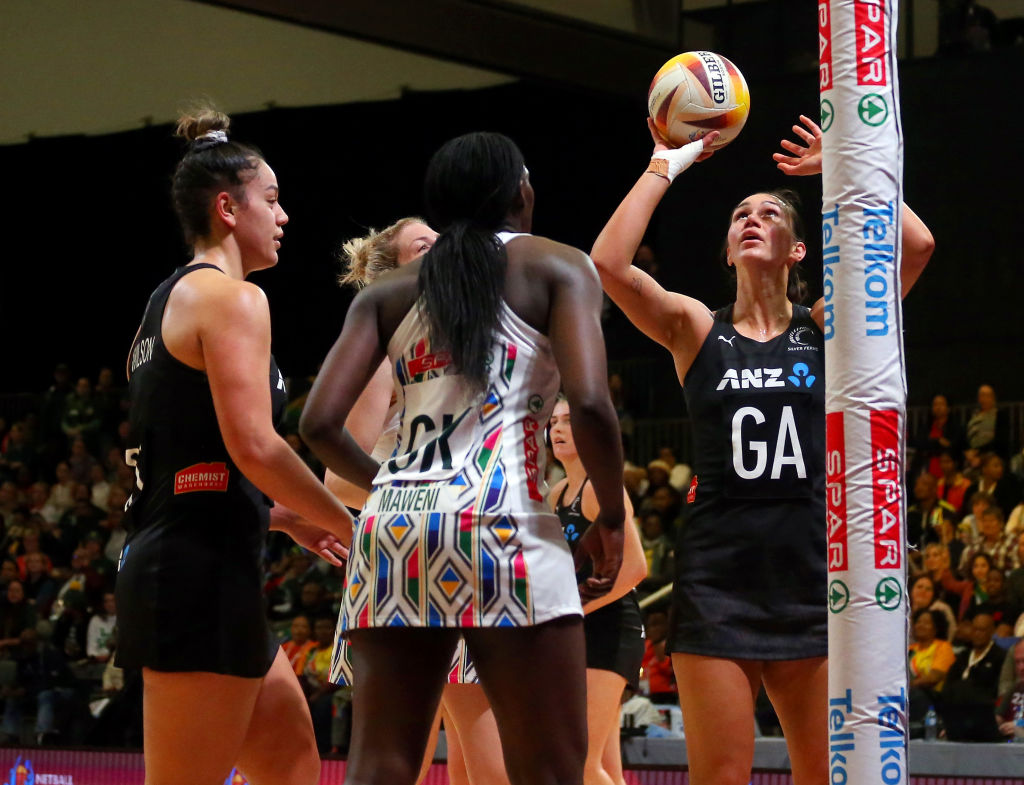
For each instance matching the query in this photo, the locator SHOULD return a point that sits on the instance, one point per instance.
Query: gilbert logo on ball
(695, 93)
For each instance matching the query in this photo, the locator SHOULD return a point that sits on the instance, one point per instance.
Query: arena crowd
(64, 483)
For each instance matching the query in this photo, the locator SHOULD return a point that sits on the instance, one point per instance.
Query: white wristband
(677, 160)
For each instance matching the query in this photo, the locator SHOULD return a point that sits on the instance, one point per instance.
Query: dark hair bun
(199, 121)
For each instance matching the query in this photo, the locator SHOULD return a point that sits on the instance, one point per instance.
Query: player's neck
(575, 472)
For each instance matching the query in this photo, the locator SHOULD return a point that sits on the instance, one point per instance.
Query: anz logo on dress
(760, 378)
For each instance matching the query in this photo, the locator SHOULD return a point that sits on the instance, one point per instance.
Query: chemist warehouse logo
(202, 477)
(765, 378)
(22, 773)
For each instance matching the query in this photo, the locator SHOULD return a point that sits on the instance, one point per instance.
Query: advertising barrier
(79, 767)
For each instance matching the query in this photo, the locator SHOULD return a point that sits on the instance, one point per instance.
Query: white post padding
(865, 391)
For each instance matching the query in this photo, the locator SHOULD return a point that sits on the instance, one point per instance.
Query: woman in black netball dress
(205, 393)
(612, 625)
(749, 599)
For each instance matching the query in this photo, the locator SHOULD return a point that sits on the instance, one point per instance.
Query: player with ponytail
(455, 537)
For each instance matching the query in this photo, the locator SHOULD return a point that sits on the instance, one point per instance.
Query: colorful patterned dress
(456, 531)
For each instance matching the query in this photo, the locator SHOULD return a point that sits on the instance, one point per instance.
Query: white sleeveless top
(454, 426)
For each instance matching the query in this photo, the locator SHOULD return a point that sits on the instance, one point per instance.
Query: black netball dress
(189, 586)
(614, 632)
(750, 558)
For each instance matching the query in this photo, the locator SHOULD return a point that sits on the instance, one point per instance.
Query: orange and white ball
(698, 92)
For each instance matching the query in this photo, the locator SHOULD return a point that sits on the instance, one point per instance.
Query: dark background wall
(90, 232)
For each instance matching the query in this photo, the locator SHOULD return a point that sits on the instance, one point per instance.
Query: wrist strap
(659, 166)
(675, 161)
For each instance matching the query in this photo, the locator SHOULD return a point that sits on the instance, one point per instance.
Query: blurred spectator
(1015, 523)
(952, 486)
(633, 477)
(1015, 586)
(80, 461)
(99, 491)
(978, 502)
(998, 603)
(30, 545)
(937, 560)
(17, 452)
(8, 573)
(299, 645)
(969, 694)
(313, 601)
(988, 429)
(931, 658)
(76, 524)
(928, 513)
(1011, 703)
(938, 435)
(972, 591)
(16, 615)
(105, 568)
(993, 480)
(81, 416)
(124, 478)
(100, 633)
(44, 684)
(657, 551)
(117, 535)
(71, 629)
(657, 663)
(638, 713)
(316, 677)
(993, 541)
(82, 577)
(679, 474)
(10, 500)
(111, 401)
(923, 597)
(963, 638)
(50, 430)
(1016, 465)
(39, 502)
(62, 492)
(40, 589)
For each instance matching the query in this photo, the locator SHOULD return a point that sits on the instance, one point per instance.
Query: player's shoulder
(556, 492)
(210, 292)
(551, 258)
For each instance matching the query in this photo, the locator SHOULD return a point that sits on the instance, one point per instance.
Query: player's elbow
(316, 426)
(251, 450)
(918, 250)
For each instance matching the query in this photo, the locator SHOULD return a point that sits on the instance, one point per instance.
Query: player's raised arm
(655, 312)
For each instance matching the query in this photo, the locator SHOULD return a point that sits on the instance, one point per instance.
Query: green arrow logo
(828, 112)
(873, 110)
(838, 596)
(888, 594)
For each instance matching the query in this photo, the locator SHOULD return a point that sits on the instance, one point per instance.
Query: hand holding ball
(698, 92)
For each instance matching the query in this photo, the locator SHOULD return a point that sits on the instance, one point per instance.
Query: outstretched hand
(325, 544)
(806, 158)
(661, 143)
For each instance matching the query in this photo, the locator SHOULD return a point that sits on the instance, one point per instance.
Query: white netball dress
(456, 531)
